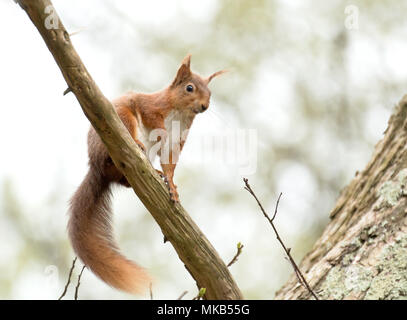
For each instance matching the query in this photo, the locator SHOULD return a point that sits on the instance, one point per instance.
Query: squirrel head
(189, 91)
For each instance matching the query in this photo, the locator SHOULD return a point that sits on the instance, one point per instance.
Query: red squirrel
(89, 225)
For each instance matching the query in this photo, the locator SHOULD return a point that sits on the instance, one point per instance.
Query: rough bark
(362, 253)
(200, 258)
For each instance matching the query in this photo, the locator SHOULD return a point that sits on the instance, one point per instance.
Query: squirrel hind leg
(113, 174)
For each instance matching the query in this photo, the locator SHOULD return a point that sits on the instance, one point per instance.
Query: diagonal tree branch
(200, 258)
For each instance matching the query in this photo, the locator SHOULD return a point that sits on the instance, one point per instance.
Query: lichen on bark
(391, 191)
(391, 280)
(386, 279)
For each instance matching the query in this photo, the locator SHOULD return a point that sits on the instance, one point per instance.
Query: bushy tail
(91, 236)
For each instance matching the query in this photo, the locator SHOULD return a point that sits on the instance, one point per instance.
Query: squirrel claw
(161, 174)
(142, 147)
(172, 188)
(174, 196)
(167, 183)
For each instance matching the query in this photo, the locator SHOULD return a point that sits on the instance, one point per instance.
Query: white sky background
(43, 138)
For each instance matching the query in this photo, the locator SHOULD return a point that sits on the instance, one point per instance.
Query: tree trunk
(362, 253)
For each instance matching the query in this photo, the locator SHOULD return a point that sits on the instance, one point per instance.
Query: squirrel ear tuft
(187, 60)
(218, 73)
(184, 71)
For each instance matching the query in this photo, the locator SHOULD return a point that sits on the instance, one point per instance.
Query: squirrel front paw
(161, 174)
(174, 197)
(141, 145)
(172, 188)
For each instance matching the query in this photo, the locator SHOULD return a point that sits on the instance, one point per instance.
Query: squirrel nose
(203, 107)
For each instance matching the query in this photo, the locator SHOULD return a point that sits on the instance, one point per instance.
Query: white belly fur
(176, 125)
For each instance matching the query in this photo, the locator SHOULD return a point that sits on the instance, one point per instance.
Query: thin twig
(151, 291)
(69, 279)
(239, 251)
(300, 276)
(182, 295)
(67, 90)
(275, 210)
(79, 283)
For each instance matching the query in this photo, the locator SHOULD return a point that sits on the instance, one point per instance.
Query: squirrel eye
(189, 88)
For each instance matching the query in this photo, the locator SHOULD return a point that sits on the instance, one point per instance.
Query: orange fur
(89, 225)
